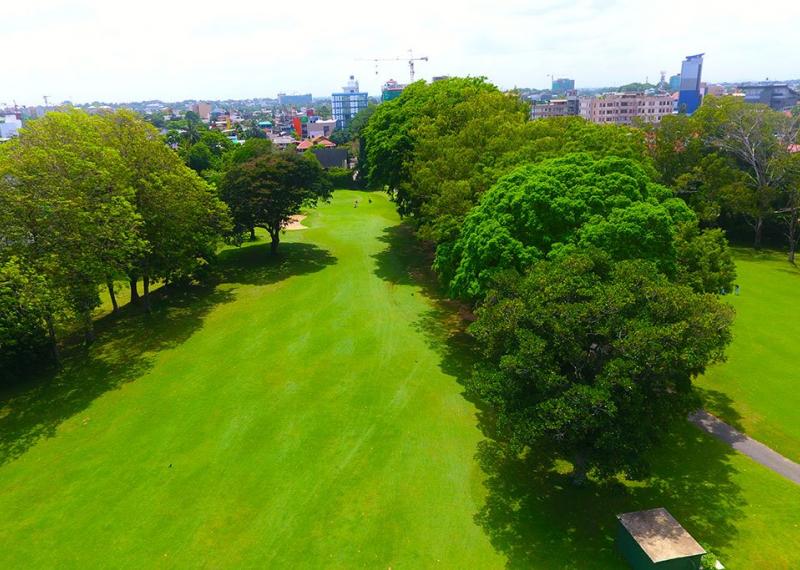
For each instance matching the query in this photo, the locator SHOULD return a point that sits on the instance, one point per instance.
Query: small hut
(654, 540)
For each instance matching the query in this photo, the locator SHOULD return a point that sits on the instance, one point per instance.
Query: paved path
(747, 445)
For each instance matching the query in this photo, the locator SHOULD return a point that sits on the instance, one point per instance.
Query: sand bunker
(295, 224)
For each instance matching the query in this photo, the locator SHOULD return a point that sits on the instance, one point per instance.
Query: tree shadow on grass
(128, 342)
(721, 405)
(255, 265)
(406, 260)
(537, 518)
(533, 514)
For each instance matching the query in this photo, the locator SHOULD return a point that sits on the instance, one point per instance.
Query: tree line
(87, 202)
(596, 285)
(737, 165)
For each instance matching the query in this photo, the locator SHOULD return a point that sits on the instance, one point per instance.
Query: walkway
(747, 445)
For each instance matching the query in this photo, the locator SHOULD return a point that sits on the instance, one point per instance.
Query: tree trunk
(134, 291)
(51, 332)
(146, 291)
(253, 233)
(579, 469)
(759, 228)
(792, 234)
(276, 240)
(114, 304)
(88, 330)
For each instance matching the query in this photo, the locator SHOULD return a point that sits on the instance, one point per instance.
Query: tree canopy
(732, 160)
(267, 190)
(569, 204)
(86, 200)
(590, 360)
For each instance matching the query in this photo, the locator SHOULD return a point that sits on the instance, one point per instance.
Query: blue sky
(87, 50)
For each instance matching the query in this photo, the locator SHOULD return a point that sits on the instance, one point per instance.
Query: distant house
(282, 141)
(316, 141)
(320, 127)
(654, 540)
(331, 157)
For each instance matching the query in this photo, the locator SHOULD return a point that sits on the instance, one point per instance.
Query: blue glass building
(689, 96)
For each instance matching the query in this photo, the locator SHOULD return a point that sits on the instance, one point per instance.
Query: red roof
(320, 140)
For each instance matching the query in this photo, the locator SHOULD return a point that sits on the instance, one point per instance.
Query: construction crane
(411, 59)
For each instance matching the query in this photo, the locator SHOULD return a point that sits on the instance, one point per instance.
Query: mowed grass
(758, 388)
(307, 412)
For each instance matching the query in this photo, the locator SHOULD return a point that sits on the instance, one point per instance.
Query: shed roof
(660, 535)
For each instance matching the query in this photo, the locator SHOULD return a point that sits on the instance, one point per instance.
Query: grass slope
(300, 405)
(758, 388)
(306, 413)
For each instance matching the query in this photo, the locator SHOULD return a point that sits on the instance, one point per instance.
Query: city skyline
(87, 51)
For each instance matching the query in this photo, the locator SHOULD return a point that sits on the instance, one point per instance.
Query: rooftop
(660, 535)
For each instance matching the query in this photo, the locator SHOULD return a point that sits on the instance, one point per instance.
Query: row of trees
(86, 201)
(596, 288)
(89, 201)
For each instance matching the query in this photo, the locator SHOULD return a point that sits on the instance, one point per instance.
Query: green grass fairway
(758, 388)
(307, 413)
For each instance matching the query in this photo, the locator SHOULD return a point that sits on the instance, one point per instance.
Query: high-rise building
(348, 103)
(294, 100)
(690, 96)
(675, 82)
(622, 108)
(562, 85)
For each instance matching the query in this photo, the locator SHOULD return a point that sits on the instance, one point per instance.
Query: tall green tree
(68, 208)
(390, 134)
(758, 139)
(182, 220)
(270, 188)
(568, 204)
(590, 360)
(27, 311)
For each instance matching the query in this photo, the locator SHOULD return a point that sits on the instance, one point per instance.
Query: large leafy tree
(562, 205)
(391, 132)
(270, 188)
(27, 307)
(590, 360)
(182, 218)
(452, 170)
(68, 208)
(758, 140)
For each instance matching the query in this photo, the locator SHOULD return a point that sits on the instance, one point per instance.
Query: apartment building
(558, 107)
(623, 108)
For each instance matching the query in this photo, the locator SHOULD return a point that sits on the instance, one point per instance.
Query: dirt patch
(294, 223)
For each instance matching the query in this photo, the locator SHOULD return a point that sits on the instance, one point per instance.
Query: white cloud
(115, 51)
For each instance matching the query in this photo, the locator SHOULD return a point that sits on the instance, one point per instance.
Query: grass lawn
(307, 413)
(758, 388)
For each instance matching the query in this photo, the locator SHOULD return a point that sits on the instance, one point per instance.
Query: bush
(342, 178)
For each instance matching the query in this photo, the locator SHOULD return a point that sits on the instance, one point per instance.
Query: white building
(321, 128)
(623, 108)
(10, 127)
